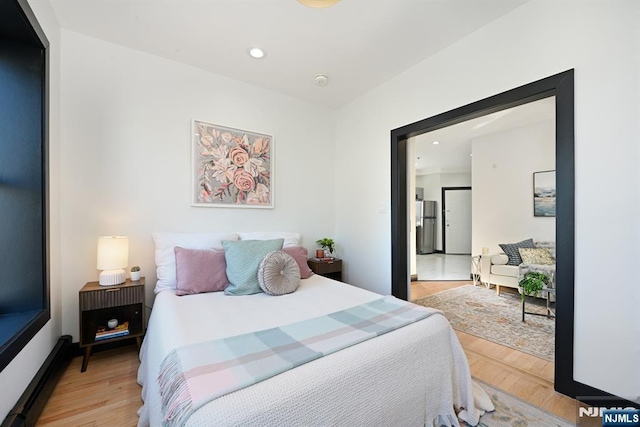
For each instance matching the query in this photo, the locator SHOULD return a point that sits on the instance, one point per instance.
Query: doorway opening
(561, 86)
(448, 218)
(456, 220)
(497, 155)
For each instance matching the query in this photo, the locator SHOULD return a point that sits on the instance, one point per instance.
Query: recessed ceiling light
(318, 4)
(256, 53)
(436, 142)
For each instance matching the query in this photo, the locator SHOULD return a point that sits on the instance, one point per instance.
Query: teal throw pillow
(243, 259)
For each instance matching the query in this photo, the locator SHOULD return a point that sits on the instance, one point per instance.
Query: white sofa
(495, 271)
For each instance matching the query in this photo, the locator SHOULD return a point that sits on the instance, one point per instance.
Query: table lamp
(113, 257)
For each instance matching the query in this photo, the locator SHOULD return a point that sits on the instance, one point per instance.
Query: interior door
(457, 221)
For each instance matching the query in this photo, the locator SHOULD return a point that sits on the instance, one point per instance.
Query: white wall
(16, 376)
(600, 40)
(503, 164)
(125, 157)
(433, 184)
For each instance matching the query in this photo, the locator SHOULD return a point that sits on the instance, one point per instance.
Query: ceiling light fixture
(318, 4)
(436, 142)
(256, 52)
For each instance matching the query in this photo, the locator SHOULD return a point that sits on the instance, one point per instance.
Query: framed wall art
(230, 167)
(544, 193)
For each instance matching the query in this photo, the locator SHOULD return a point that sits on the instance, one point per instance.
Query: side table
(331, 269)
(476, 271)
(551, 311)
(98, 304)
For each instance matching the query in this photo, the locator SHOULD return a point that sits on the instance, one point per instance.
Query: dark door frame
(443, 217)
(562, 87)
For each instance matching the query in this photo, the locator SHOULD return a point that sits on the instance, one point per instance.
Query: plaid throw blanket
(195, 374)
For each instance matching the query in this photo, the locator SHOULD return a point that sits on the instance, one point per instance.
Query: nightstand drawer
(328, 267)
(111, 297)
(331, 269)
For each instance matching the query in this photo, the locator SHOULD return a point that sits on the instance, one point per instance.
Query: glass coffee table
(551, 309)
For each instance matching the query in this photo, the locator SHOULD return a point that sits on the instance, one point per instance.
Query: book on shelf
(119, 331)
(324, 259)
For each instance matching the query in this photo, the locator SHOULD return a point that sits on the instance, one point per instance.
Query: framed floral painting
(231, 167)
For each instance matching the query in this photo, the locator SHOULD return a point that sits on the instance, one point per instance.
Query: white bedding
(410, 377)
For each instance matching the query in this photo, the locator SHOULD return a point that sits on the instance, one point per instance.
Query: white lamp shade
(113, 252)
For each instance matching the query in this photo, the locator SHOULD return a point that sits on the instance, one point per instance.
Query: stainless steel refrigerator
(425, 226)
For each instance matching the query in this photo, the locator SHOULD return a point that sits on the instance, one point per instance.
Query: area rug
(478, 311)
(511, 411)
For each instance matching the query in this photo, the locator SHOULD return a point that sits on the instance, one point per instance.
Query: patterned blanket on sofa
(549, 270)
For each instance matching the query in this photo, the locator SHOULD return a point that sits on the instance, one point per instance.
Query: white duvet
(413, 376)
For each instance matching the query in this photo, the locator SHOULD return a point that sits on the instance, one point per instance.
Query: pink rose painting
(231, 167)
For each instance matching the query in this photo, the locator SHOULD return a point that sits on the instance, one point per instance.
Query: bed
(417, 375)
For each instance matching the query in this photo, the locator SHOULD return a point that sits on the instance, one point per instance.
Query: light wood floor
(107, 394)
(520, 374)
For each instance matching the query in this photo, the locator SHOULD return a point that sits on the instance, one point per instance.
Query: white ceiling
(452, 155)
(358, 44)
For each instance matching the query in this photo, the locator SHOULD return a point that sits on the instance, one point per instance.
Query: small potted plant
(531, 284)
(327, 244)
(135, 273)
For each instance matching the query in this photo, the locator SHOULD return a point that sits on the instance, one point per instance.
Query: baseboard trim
(595, 397)
(30, 405)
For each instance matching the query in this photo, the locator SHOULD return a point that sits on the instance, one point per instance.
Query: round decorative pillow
(278, 274)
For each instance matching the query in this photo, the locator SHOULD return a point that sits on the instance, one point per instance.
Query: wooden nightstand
(98, 304)
(331, 269)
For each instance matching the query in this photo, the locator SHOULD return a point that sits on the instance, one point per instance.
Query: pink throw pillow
(199, 271)
(300, 255)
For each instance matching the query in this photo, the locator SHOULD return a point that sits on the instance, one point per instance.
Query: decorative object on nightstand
(330, 268)
(113, 257)
(135, 273)
(328, 245)
(111, 314)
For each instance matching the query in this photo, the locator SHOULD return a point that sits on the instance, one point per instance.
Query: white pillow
(166, 258)
(290, 239)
